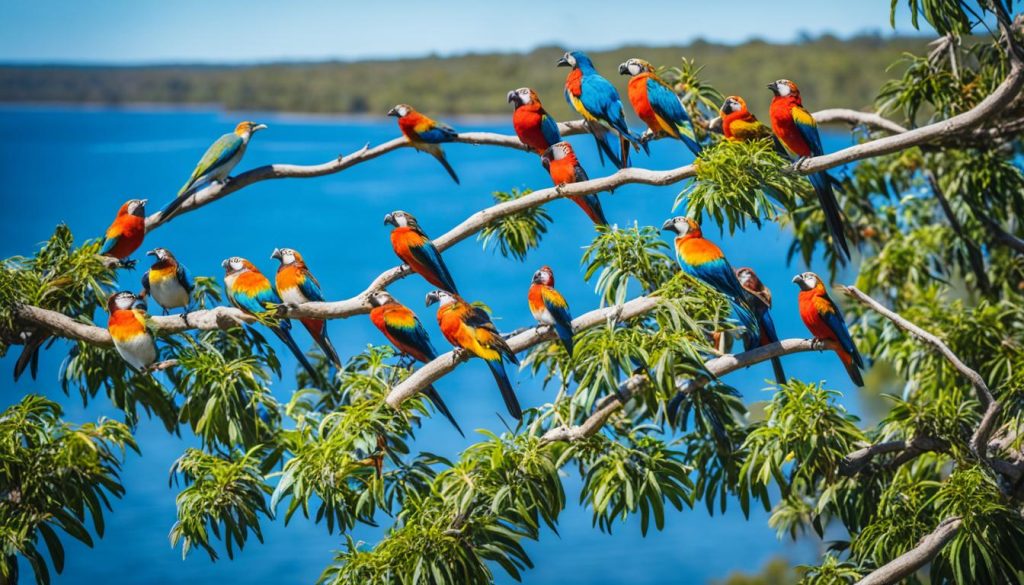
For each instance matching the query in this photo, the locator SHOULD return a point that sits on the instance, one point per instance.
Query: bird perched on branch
(760, 299)
(469, 328)
(297, 285)
(217, 163)
(564, 168)
(798, 132)
(823, 318)
(657, 104)
(127, 326)
(596, 99)
(548, 306)
(705, 261)
(415, 249)
(739, 125)
(533, 125)
(167, 281)
(403, 329)
(250, 291)
(425, 134)
(126, 233)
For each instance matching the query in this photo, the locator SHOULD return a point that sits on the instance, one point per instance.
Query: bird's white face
(783, 87)
(137, 207)
(285, 255)
(679, 225)
(544, 276)
(732, 104)
(401, 110)
(745, 276)
(161, 254)
(570, 59)
(233, 264)
(380, 298)
(524, 95)
(634, 67)
(441, 297)
(124, 301)
(560, 150)
(398, 218)
(807, 280)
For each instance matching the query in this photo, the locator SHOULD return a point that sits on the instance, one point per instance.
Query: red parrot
(425, 134)
(415, 249)
(564, 168)
(124, 236)
(533, 125)
(825, 321)
(798, 133)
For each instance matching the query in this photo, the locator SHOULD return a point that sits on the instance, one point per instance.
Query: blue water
(77, 166)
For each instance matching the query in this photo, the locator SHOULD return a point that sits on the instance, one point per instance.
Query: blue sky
(134, 31)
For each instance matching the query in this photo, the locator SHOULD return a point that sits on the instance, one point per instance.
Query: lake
(78, 165)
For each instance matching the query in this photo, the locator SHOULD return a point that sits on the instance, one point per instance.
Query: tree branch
(856, 461)
(979, 441)
(857, 118)
(909, 562)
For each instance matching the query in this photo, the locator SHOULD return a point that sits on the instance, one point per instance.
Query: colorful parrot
(403, 329)
(125, 235)
(167, 281)
(548, 306)
(425, 134)
(297, 285)
(563, 166)
(739, 125)
(469, 328)
(657, 104)
(250, 291)
(415, 249)
(825, 321)
(596, 99)
(705, 261)
(760, 299)
(798, 133)
(127, 326)
(217, 163)
(533, 125)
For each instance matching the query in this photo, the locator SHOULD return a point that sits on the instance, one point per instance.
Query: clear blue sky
(145, 31)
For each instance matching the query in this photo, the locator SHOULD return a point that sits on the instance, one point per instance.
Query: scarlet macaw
(825, 321)
(533, 125)
(297, 285)
(563, 166)
(425, 134)
(548, 306)
(415, 249)
(798, 132)
(657, 104)
(469, 328)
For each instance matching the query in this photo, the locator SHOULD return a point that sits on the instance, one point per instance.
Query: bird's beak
(562, 62)
(513, 97)
(389, 219)
(143, 202)
(669, 225)
(258, 127)
(151, 253)
(623, 69)
(276, 254)
(774, 87)
(224, 264)
(393, 112)
(432, 297)
(797, 280)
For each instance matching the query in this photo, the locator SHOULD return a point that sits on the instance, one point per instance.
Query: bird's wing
(598, 95)
(719, 275)
(549, 128)
(408, 334)
(808, 128)
(109, 242)
(665, 102)
(427, 254)
(310, 287)
(219, 152)
(439, 132)
(145, 282)
(184, 278)
(555, 303)
(579, 173)
(833, 317)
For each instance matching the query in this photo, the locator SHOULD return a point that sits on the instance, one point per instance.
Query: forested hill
(830, 72)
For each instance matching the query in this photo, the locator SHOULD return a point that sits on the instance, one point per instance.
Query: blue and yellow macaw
(217, 163)
(596, 99)
(657, 105)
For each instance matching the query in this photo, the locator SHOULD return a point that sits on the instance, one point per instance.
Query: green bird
(218, 162)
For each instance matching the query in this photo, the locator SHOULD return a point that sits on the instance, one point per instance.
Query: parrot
(705, 261)
(125, 235)
(739, 125)
(548, 306)
(657, 104)
(469, 328)
(297, 285)
(563, 166)
(217, 163)
(825, 321)
(798, 133)
(533, 125)
(760, 300)
(250, 291)
(596, 99)
(415, 249)
(403, 329)
(127, 326)
(425, 134)
(167, 281)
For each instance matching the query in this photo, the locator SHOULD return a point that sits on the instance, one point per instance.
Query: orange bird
(533, 125)
(297, 285)
(825, 321)
(127, 326)
(425, 134)
(564, 168)
(124, 236)
(739, 125)
(415, 249)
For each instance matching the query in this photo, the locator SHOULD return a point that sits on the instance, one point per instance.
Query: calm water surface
(77, 166)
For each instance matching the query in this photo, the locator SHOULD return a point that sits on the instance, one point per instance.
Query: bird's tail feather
(564, 332)
(318, 331)
(747, 319)
(833, 215)
(604, 148)
(501, 377)
(435, 398)
(591, 205)
(288, 340)
(780, 374)
(441, 158)
(29, 357)
(688, 139)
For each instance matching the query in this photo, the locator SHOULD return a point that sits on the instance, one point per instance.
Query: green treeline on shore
(831, 73)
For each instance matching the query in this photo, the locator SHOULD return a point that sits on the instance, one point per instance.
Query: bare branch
(857, 118)
(856, 461)
(602, 411)
(979, 441)
(909, 562)
(64, 326)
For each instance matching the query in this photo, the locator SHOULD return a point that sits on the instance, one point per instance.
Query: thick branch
(857, 118)
(909, 562)
(856, 461)
(979, 442)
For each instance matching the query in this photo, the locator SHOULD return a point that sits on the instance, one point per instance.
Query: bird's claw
(128, 263)
(647, 136)
(457, 354)
(795, 167)
(818, 344)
